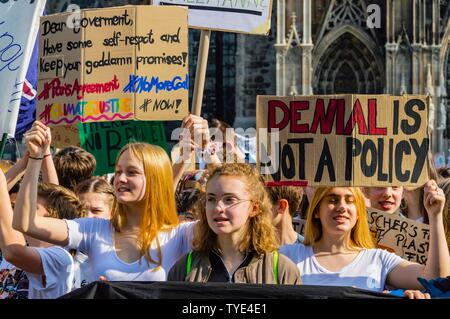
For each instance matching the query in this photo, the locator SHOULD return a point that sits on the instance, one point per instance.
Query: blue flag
(27, 111)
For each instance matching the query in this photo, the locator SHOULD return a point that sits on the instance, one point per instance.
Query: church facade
(367, 47)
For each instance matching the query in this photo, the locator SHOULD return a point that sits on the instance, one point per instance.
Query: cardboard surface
(65, 135)
(403, 236)
(344, 140)
(244, 16)
(119, 63)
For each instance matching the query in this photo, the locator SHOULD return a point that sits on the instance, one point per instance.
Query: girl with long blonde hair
(338, 249)
(143, 238)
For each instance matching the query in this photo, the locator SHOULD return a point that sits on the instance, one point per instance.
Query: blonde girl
(143, 238)
(338, 249)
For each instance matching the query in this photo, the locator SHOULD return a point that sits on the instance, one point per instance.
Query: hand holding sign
(198, 129)
(433, 199)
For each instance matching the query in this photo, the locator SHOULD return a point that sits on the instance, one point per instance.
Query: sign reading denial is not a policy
(403, 236)
(118, 63)
(344, 140)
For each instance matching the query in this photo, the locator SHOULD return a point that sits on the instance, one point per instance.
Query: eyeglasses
(227, 201)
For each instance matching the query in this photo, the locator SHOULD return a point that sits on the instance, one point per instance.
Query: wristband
(35, 158)
(49, 154)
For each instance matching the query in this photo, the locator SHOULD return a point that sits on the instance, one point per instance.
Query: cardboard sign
(245, 16)
(403, 236)
(344, 140)
(19, 24)
(113, 64)
(65, 135)
(105, 139)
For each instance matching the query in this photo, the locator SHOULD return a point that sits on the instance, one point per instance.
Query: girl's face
(387, 199)
(98, 205)
(228, 204)
(129, 179)
(337, 211)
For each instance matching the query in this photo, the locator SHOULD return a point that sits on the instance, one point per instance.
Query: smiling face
(129, 179)
(387, 199)
(228, 204)
(97, 205)
(337, 211)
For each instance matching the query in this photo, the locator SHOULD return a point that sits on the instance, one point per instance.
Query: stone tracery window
(347, 66)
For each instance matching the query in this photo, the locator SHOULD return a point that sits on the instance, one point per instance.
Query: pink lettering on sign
(55, 88)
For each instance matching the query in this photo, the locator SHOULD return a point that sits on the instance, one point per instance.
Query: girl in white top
(338, 249)
(143, 238)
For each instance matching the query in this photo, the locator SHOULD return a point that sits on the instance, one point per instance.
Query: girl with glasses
(234, 239)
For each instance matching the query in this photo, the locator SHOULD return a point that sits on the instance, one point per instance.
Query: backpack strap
(189, 263)
(275, 266)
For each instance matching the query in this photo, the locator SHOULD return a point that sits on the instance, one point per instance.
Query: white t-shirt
(58, 268)
(82, 270)
(368, 270)
(94, 236)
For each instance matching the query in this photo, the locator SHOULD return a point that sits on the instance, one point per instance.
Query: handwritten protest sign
(19, 23)
(403, 236)
(65, 135)
(117, 63)
(344, 140)
(105, 139)
(246, 16)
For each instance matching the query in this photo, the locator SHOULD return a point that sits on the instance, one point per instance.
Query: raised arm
(49, 174)
(12, 242)
(438, 262)
(25, 218)
(15, 173)
(198, 138)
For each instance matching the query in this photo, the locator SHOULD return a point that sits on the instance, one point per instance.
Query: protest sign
(403, 236)
(246, 16)
(19, 23)
(65, 135)
(344, 140)
(105, 139)
(111, 64)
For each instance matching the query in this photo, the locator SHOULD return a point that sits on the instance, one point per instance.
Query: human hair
(73, 165)
(97, 185)
(5, 165)
(159, 200)
(292, 194)
(445, 185)
(433, 175)
(360, 236)
(260, 235)
(60, 202)
(192, 179)
(187, 200)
